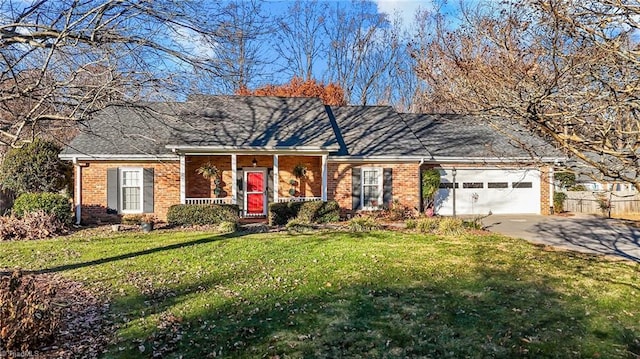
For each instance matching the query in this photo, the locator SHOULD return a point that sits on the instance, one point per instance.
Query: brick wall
(166, 188)
(310, 186)
(199, 187)
(545, 204)
(406, 182)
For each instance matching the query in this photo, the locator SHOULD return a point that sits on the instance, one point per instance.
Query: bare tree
(567, 69)
(363, 45)
(300, 37)
(238, 46)
(60, 61)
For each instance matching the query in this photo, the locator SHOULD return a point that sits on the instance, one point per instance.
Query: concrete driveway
(582, 233)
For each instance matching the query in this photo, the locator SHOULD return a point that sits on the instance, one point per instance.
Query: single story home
(144, 158)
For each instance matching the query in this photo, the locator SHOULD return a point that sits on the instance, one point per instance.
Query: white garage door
(479, 191)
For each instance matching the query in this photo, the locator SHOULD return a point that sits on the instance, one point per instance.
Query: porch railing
(299, 199)
(207, 201)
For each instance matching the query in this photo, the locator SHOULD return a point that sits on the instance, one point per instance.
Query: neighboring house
(144, 158)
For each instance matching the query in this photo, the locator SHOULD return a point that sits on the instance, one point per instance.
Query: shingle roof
(469, 137)
(127, 129)
(288, 123)
(212, 121)
(375, 131)
(256, 122)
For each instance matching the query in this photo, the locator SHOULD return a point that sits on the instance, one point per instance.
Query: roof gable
(375, 131)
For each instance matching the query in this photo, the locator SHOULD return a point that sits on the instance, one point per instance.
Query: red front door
(255, 192)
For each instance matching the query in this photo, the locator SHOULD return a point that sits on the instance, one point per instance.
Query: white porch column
(324, 177)
(234, 178)
(275, 179)
(183, 179)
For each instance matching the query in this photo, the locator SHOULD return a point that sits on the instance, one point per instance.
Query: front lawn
(382, 294)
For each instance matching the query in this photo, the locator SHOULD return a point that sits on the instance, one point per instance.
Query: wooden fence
(597, 202)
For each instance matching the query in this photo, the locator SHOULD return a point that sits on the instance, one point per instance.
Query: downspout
(551, 190)
(78, 188)
(420, 204)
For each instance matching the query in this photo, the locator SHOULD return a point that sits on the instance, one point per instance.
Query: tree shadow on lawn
(96, 262)
(500, 313)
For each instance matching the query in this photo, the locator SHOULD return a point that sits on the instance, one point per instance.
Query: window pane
(497, 185)
(448, 185)
(370, 196)
(370, 177)
(130, 178)
(131, 198)
(472, 185)
(522, 185)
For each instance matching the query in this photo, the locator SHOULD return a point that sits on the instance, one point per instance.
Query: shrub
(450, 226)
(32, 225)
(132, 219)
(202, 214)
(363, 224)
(411, 223)
(308, 211)
(35, 168)
(50, 203)
(474, 223)
(430, 185)
(320, 212)
(299, 225)
(281, 213)
(227, 227)
(398, 212)
(312, 212)
(558, 201)
(28, 319)
(428, 224)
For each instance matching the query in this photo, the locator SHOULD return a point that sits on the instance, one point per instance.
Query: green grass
(380, 294)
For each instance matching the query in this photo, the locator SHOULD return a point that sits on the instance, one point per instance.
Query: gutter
(78, 189)
(107, 157)
(442, 160)
(252, 149)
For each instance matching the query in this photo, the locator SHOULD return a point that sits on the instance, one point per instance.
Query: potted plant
(292, 190)
(299, 171)
(210, 171)
(146, 223)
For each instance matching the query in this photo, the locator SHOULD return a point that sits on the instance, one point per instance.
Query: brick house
(144, 158)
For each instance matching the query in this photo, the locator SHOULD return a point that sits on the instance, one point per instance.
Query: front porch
(252, 181)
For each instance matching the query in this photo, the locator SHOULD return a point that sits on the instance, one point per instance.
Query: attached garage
(480, 190)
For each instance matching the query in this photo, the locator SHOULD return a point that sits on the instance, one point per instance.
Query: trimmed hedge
(202, 214)
(281, 213)
(50, 203)
(311, 212)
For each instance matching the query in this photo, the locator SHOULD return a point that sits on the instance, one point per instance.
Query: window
(522, 185)
(131, 190)
(447, 185)
(472, 185)
(371, 188)
(498, 185)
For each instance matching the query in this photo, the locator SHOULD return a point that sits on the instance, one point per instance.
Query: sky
(404, 8)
